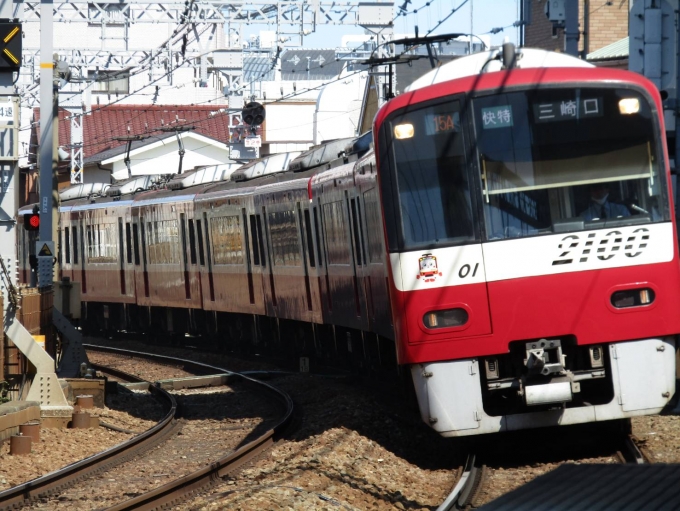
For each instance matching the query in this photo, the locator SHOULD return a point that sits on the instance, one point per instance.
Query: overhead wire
(401, 12)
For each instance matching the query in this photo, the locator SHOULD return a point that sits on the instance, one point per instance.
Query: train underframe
(245, 333)
(547, 382)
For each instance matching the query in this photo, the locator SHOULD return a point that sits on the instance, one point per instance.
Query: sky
(486, 14)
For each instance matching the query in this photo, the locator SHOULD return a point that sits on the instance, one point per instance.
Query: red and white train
(510, 241)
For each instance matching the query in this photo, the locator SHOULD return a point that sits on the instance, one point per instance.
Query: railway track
(632, 452)
(469, 484)
(179, 488)
(28, 492)
(473, 475)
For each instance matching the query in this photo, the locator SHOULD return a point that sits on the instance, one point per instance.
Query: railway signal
(32, 221)
(11, 36)
(253, 114)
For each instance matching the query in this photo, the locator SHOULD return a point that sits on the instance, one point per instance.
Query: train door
(376, 286)
(129, 257)
(65, 251)
(324, 293)
(185, 256)
(145, 269)
(194, 268)
(359, 257)
(267, 260)
(247, 258)
(83, 259)
(206, 231)
(311, 256)
(306, 261)
(121, 256)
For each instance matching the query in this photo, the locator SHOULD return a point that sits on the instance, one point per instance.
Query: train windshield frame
(427, 184)
(568, 159)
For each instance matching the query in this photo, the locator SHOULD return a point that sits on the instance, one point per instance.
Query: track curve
(25, 493)
(179, 489)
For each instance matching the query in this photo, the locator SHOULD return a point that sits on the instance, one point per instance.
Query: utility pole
(571, 31)
(49, 116)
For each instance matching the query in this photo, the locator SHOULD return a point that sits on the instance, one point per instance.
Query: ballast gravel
(357, 447)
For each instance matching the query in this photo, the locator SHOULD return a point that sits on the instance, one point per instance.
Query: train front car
(534, 263)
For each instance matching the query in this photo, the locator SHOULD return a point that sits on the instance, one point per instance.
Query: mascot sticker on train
(428, 268)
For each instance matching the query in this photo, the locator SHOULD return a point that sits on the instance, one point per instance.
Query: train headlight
(633, 298)
(405, 130)
(448, 318)
(628, 106)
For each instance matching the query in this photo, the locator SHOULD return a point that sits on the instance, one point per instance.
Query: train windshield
(427, 151)
(563, 160)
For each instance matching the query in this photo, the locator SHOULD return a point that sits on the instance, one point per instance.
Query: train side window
(310, 243)
(192, 241)
(361, 231)
(355, 229)
(121, 248)
(260, 241)
(184, 238)
(128, 242)
(67, 245)
(89, 241)
(75, 245)
(256, 243)
(201, 252)
(135, 237)
(318, 238)
(141, 222)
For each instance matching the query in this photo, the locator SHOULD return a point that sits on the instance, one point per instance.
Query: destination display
(567, 110)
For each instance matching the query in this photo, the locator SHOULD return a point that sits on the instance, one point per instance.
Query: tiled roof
(107, 122)
(617, 50)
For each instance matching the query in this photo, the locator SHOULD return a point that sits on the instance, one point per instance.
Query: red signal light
(32, 221)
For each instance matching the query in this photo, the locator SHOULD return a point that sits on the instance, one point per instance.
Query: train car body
(509, 243)
(532, 248)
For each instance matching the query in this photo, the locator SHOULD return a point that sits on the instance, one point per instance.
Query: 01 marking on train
(429, 269)
(576, 248)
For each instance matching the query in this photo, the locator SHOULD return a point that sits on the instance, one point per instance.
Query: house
(105, 150)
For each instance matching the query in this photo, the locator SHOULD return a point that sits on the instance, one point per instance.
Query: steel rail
(633, 453)
(43, 486)
(466, 487)
(177, 490)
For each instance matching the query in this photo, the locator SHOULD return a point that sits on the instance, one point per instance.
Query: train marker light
(402, 131)
(448, 318)
(632, 298)
(31, 221)
(628, 106)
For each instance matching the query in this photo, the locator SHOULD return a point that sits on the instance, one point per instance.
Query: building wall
(289, 122)
(608, 24)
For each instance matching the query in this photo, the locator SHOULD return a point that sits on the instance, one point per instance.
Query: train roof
(233, 188)
(321, 154)
(490, 61)
(271, 164)
(530, 77)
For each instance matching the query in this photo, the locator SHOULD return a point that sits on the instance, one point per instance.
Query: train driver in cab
(601, 207)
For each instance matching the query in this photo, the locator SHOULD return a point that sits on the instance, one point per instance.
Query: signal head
(32, 221)
(253, 114)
